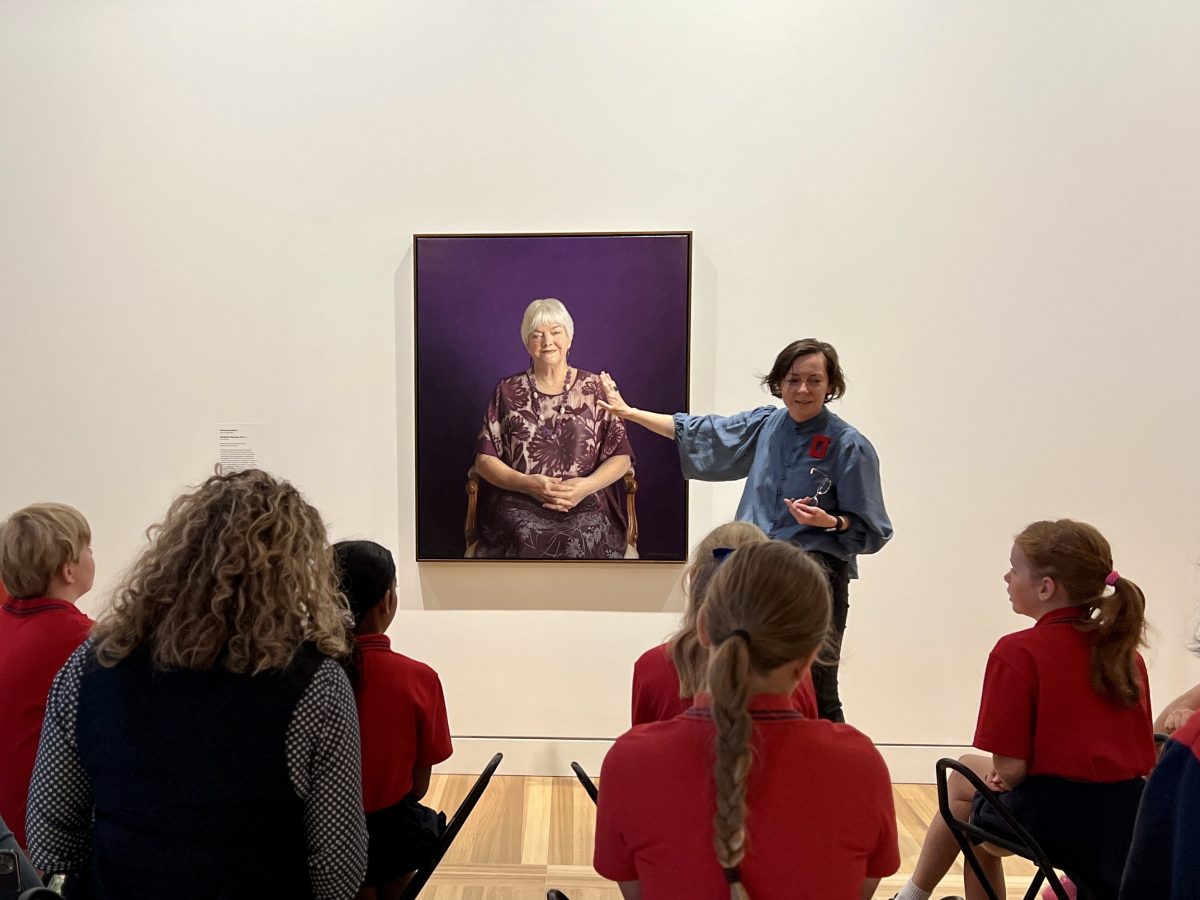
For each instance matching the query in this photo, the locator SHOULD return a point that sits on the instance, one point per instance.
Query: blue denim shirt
(776, 455)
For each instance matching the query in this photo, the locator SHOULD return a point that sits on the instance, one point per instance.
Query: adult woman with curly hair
(203, 743)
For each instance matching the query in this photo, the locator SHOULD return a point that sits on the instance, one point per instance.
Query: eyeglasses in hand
(824, 483)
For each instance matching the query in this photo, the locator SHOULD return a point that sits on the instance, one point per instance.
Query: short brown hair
(37, 541)
(806, 347)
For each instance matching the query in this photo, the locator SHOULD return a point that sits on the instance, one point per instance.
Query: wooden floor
(529, 834)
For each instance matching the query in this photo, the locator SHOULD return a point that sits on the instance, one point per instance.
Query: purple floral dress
(564, 436)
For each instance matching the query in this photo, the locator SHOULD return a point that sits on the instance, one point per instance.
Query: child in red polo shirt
(1065, 714)
(402, 720)
(668, 676)
(46, 565)
(741, 795)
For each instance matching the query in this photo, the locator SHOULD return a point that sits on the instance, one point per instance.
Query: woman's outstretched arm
(659, 423)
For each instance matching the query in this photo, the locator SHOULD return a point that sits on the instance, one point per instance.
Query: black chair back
(1025, 846)
(585, 780)
(453, 827)
(39, 893)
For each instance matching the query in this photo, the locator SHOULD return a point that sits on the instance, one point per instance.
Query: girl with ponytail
(666, 677)
(742, 796)
(1065, 714)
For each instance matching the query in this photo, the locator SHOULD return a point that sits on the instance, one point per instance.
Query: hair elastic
(733, 875)
(720, 554)
(742, 633)
(1112, 578)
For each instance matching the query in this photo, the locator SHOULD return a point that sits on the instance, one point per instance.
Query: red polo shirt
(402, 721)
(656, 689)
(819, 819)
(1039, 705)
(36, 637)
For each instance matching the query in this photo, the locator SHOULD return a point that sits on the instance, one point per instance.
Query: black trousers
(401, 839)
(825, 677)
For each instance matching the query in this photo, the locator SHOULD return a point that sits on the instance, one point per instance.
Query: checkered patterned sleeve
(324, 761)
(59, 821)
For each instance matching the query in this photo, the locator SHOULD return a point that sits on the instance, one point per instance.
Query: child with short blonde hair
(46, 565)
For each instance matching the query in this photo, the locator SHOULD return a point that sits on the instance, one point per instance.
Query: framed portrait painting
(628, 298)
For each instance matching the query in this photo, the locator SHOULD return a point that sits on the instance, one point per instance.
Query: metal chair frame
(453, 827)
(586, 781)
(1025, 846)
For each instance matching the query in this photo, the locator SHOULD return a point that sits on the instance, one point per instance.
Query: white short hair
(547, 311)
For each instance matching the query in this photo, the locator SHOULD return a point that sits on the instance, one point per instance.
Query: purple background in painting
(628, 295)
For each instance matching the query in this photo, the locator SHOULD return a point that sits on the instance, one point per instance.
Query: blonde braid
(729, 681)
(767, 606)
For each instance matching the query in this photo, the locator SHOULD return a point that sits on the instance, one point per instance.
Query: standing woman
(811, 478)
(204, 743)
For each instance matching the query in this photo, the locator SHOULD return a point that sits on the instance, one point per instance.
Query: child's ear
(702, 630)
(66, 572)
(1046, 589)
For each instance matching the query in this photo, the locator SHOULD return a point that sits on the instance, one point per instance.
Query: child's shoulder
(413, 667)
(657, 657)
(377, 652)
(836, 738)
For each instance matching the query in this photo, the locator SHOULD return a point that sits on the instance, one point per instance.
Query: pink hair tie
(1112, 578)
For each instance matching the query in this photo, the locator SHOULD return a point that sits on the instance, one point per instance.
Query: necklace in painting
(546, 430)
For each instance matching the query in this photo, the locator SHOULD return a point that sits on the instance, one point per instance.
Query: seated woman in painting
(552, 452)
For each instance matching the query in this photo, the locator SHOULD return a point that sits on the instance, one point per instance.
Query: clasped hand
(996, 782)
(557, 494)
(806, 514)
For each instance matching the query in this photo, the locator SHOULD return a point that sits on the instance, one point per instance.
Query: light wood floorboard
(529, 834)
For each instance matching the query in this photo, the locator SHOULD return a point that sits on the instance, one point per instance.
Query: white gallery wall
(206, 215)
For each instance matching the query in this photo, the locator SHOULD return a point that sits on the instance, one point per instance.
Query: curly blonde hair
(238, 575)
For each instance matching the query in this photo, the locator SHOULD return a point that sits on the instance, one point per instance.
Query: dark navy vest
(189, 773)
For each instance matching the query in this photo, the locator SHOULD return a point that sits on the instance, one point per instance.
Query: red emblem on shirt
(819, 446)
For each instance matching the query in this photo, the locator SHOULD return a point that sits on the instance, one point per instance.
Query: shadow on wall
(568, 586)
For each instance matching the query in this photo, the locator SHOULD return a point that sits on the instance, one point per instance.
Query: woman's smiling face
(805, 387)
(548, 344)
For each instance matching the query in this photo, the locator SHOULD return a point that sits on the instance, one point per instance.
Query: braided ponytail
(766, 607)
(729, 681)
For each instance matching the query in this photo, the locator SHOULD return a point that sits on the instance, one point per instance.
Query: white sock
(911, 892)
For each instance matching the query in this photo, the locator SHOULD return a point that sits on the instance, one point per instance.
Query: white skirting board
(908, 763)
